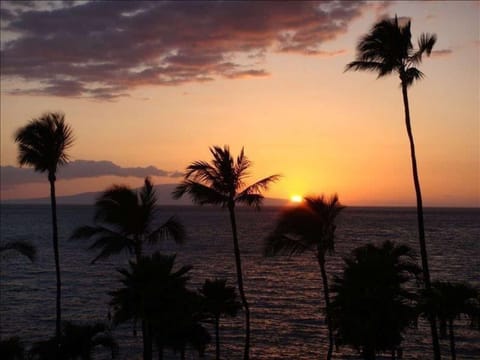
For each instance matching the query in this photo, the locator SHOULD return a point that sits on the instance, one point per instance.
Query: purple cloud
(103, 49)
(12, 176)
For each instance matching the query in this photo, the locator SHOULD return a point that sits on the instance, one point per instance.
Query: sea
(284, 292)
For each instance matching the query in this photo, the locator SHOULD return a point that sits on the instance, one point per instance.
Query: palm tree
(221, 182)
(219, 300)
(150, 290)
(125, 221)
(372, 305)
(388, 49)
(43, 144)
(22, 247)
(12, 349)
(447, 301)
(308, 227)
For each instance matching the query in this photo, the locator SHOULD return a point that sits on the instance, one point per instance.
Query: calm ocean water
(284, 293)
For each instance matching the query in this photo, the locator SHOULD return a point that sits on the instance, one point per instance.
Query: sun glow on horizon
(296, 199)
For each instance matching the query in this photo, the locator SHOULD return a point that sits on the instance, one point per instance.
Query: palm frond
(281, 244)
(199, 193)
(172, 228)
(412, 74)
(261, 185)
(253, 200)
(373, 66)
(23, 247)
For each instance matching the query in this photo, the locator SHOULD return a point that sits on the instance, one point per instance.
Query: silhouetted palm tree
(179, 325)
(219, 300)
(125, 221)
(372, 306)
(78, 341)
(308, 227)
(388, 49)
(12, 349)
(22, 247)
(448, 301)
(221, 182)
(150, 289)
(43, 144)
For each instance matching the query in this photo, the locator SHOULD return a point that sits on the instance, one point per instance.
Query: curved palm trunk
(452, 339)
(326, 295)
(421, 228)
(147, 340)
(238, 264)
(217, 338)
(53, 202)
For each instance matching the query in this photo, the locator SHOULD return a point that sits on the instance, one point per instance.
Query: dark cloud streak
(12, 176)
(103, 49)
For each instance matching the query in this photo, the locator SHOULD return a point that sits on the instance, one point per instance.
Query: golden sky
(265, 77)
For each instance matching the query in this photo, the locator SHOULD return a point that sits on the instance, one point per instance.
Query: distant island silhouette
(164, 193)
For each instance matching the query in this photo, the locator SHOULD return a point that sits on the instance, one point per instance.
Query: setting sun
(296, 198)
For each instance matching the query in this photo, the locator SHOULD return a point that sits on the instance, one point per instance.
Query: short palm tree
(125, 221)
(151, 288)
(22, 247)
(372, 304)
(308, 227)
(79, 341)
(219, 300)
(388, 49)
(448, 301)
(43, 145)
(222, 182)
(12, 349)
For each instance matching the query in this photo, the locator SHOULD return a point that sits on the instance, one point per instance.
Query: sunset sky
(148, 87)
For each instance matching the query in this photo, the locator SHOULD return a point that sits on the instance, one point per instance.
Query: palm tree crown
(310, 226)
(125, 220)
(44, 142)
(222, 182)
(388, 48)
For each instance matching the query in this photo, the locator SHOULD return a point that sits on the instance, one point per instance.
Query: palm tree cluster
(374, 300)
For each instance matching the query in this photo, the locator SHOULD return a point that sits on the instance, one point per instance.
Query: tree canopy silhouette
(125, 221)
(219, 300)
(308, 227)
(43, 144)
(388, 49)
(222, 182)
(22, 247)
(372, 307)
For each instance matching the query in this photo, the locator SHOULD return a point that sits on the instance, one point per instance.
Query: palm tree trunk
(147, 340)
(452, 339)
(238, 264)
(421, 228)
(326, 295)
(53, 202)
(217, 338)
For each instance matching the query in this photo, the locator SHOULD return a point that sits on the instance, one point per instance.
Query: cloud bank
(12, 176)
(104, 49)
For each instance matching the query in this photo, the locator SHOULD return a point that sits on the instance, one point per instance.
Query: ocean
(284, 292)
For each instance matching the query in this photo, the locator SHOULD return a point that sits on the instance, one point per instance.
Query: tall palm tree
(151, 288)
(309, 227)
(22, 247)
(373, 306)
(43, 145)
(219, 300)
(448, 301)
(388, 49)
(125, 221)
(222, 182)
